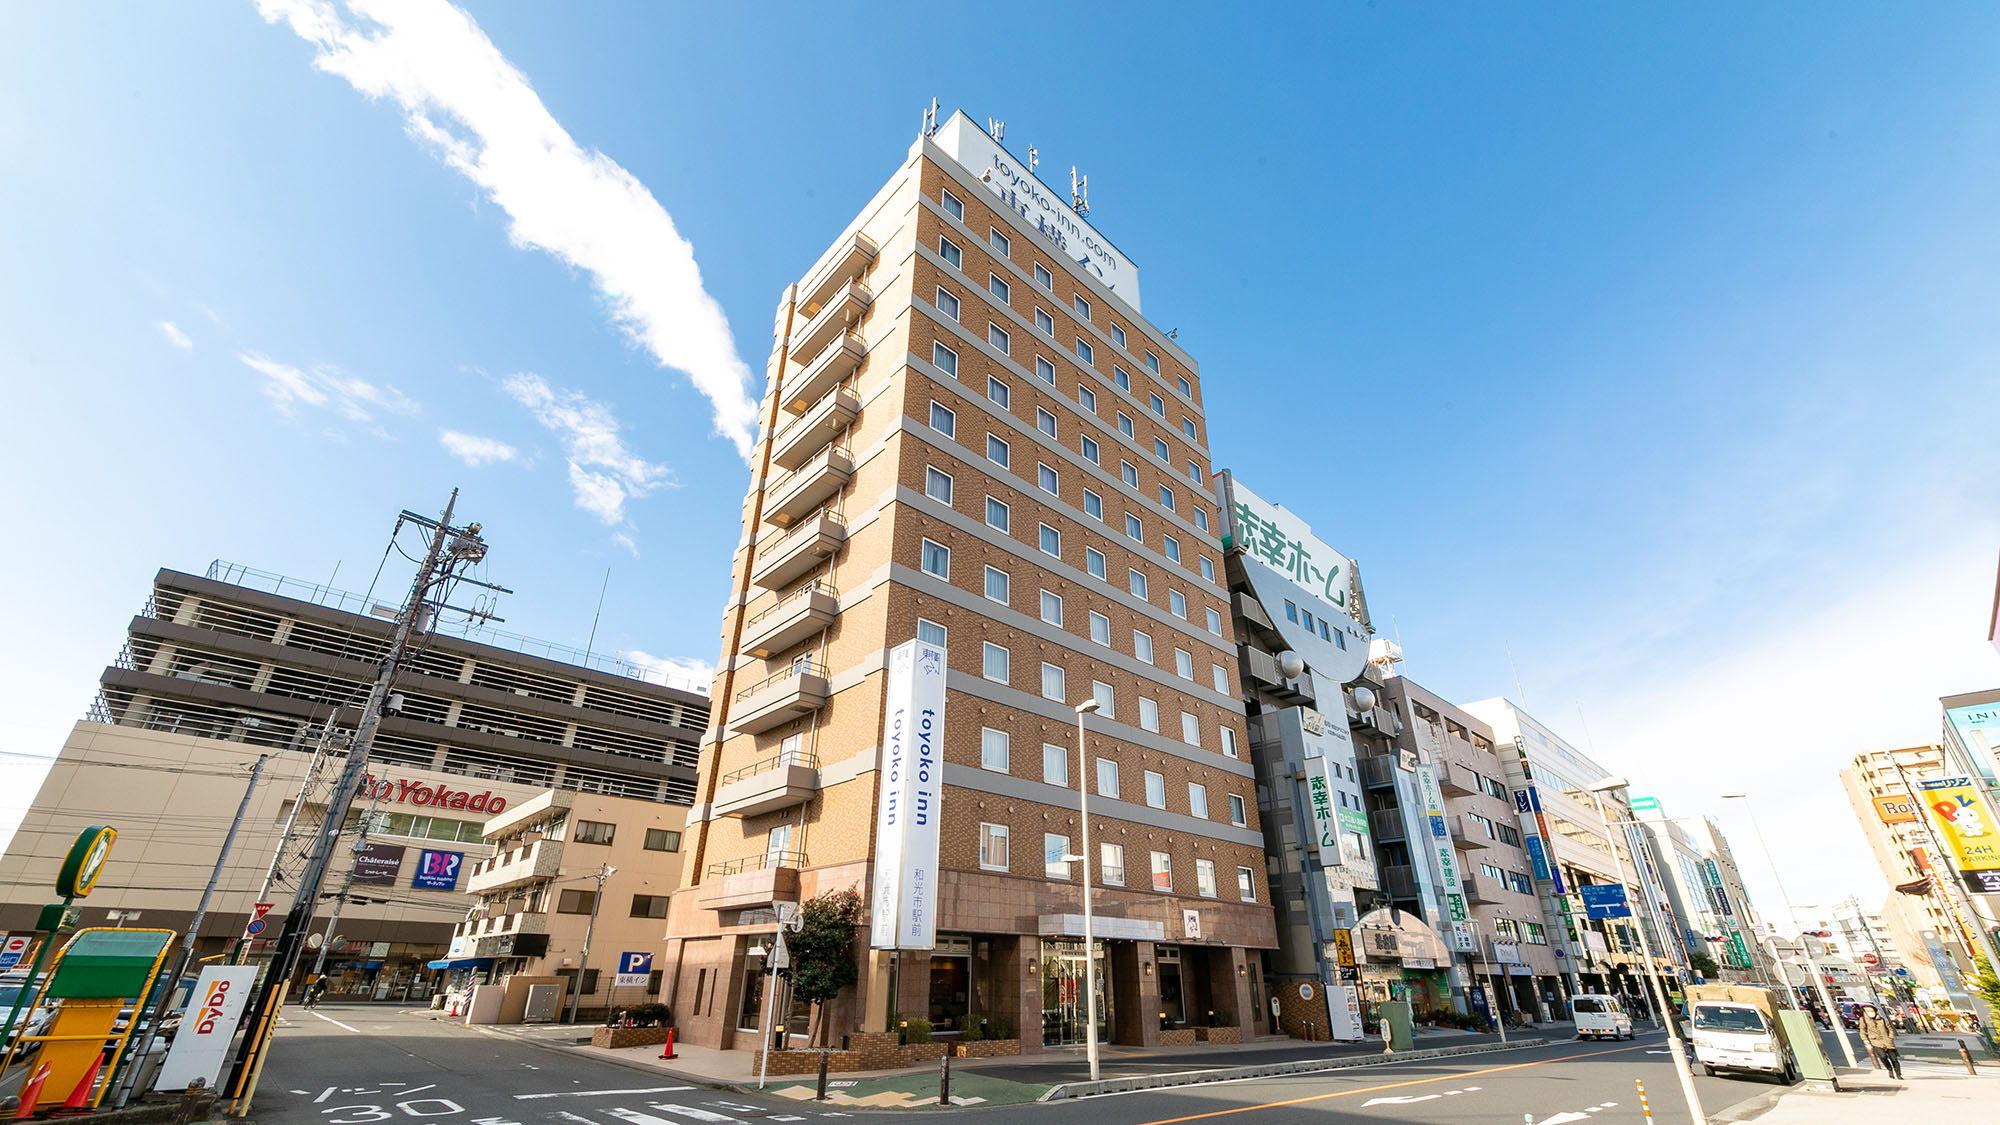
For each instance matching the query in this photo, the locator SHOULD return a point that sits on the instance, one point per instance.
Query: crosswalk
(401, 1103)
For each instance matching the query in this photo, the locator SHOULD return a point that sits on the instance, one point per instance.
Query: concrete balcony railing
(540, 860)
(1455, 781)
(803, 613)
(1478, 889)
(757, 880)
(814, 430)
(784, 558)
(1467, 835)
(845, 306)
(810, 486)
(793, 693)
(823, 372)
(848, 262)
(769, 785)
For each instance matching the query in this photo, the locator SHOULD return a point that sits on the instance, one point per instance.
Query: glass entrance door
(1064, 1018)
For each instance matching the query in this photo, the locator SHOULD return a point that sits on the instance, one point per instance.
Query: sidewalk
(1933, 1090)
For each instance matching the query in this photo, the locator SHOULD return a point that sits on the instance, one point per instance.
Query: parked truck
(1736, 1029)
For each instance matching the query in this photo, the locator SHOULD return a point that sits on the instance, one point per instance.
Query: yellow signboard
(1964, 822)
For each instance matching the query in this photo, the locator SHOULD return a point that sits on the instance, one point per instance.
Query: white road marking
(787, 1118)
(637, 1118)
(1563, 1119)
(1405, 1099)
(338, 1024)
(568, 1116)
(689, 1111)
(600, 1093)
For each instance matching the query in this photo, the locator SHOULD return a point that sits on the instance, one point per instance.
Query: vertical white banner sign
(908, 809)
(1326, 827)
(207, 1026)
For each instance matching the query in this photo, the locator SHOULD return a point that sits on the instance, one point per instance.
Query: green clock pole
(49, 922)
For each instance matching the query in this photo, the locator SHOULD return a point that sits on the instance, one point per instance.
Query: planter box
(914, 1053)
(629, 1036)
(1179, 1037)
(1219, 1034)
(987, 1049)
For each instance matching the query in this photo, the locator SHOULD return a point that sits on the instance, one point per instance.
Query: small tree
(823, 952)
(1703, 964)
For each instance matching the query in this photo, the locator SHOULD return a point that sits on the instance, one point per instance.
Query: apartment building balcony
(539, 860)
(794, 692)
(1469, 836)
(847, 263)
(1455, 781)
(1399, 882)
(812, 431)
(803, 613)
(1479, 890)
(1262, 668)
(1386, 825)
(757, 880)
(786, 557)
(809, 486)
(823, 372)
(509, 924)
(1378, 772)
(845, 305)
(767, 786)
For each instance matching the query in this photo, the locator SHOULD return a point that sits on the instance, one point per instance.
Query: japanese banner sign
(1440, 833)
(1284, 542)
(1964, 822)
(1326, 830)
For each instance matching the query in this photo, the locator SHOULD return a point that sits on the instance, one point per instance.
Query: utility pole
(604, 871)
(450, 550)
(291, 822)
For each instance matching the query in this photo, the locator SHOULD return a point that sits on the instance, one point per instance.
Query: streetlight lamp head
(1087, 706)
(1608, 784)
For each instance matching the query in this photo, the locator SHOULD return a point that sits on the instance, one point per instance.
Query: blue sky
(1654, 348)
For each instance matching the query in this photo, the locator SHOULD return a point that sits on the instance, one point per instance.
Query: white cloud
(674, 671)
(354, 399)
(460, 95)
(475, 450)
(603, 474)
(174, 335)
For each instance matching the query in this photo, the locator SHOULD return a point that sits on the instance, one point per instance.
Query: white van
(1600, 1017)
(1736, 1028)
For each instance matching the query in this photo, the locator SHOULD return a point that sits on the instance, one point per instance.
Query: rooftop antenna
(1520, 692)
(1079, 192)
(930, 118)
(1034, 157)
(996, 127)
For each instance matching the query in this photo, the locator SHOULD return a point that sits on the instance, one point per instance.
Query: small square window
(1208, 568)
(1045, 421)
(1215, 622)
(936, 560)
(930, 632)
(998, 584)
(1082, 306)
(1163, 872)
(1291, 611)
(1001, 394)
(1045, 322)
(1184, 664)
(998, 241)
(943, 420)
(1166, 498)
(1045, 370)
(1106, 699)
(1158, 404)
(1125, 423)
(1220, 676)
(1190, 729)
(1055, 764)
(949, 251)
(1100, 628)
(1156, 789)
(1204, 878)
(1198, 800)
(1187, 391)
(993, 750)
(1093, 561)
(1246, 885)
(1118, 335)
(1093, 504)
(1086, 398)
(1052, 683)
(1136, 582)
(1047, 480)
(1177, 603)
(1051, 541)
(1111, 864)
(947, 304)
(1149, 714)
(662, 840)
(1090, 452)
(1161, 451)
(1237, 813)
(997, 451)
(1043, 277)
(998, 337)
(1129, 473)
(1142, 646)
(1052, 608)
(1307, 619)
(944, 359)
(1229, 742)
(1187, 427)
(1171, 547)
(1194, 474)
(1200, 520)
(1119, 377)
(937, 484)
(1107, 778)
(1084, 351)
(993, 662)
(951, 204)
(997, 285)
(993, 847)
(1152, 363)
(998, 515)
(1134, 529)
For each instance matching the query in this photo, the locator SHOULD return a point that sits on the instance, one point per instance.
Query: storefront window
(1064, 1017)
(951, 981)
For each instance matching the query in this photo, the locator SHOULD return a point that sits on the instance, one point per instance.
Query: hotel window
(937, 484)
(1156, 789)
(999, 241)
(1082, 306)
(1190, 729)
(1052, 608)
(1198, 800)
(1111, 864)
(1093, 561)
(997, 451)
(1086, 398)
(1135, 582)
(1163, 872)
(1177, 604)
(936, 560)
(662, 840)
(997, 584)
(1129, 473)
(1246, 885)
(949, 251)
(1118, 335)
(1207, 568)
(1134, 530)
(576, 902)
(943, 420)
(1093, 506)
(1161, 451)
(1221, 678)
(1045, 477)
(1152, 363)
(952, 206)
(1043, 277)
(1107, 701)
(1119, 377)
(997, 285)
(1158, 404)
(1054, 848)
(1204, 877)
(1100, 628)
(1171, 547)
(1237, 811)
(1194, 475)
(1001, 394)
(1183, 664)
(1051, 541)
(1200, 519)
(1055, 764)
(998, 515)
(993, 662)
(1045, 370)
(1053, 685)
(1084, 351)
(1090, 449)
(1166, 498)
(1149, 714)
(1187, 391)
(944, 359)
(1125, 423)
(1187, 427)
(993, 847)
(947, 304)
(997, 336)
(1142, 646)
(593, 832)
(1107, 778)
(930, 632)
(994, 750)
(1229, 741)
(1215, 622)
(1045, 421)
(1045, 322)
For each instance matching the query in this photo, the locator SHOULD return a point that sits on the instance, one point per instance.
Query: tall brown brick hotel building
(971, 437)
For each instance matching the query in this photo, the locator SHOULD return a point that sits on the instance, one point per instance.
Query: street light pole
(1089, 937)
(1674, 1045)
(604, 871)
(1818, 977)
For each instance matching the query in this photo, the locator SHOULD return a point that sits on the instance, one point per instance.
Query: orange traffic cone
(32, 1092)
(79, 1098)
(668, 1052)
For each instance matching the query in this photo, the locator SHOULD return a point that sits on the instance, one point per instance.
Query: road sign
(15, 949)
(256, 926)
(1605, 900)
(634, 969)
(1645, 804)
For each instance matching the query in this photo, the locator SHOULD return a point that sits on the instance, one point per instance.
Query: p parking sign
(634, 969)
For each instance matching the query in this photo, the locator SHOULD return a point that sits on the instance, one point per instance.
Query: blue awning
(462, 963)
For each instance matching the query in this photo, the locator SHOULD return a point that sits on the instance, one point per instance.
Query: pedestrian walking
(1881, 1039)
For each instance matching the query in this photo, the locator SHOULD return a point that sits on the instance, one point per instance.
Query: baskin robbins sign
(908, 810)
(429, 795)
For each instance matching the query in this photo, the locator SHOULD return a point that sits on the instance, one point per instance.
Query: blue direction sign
(1605, 900)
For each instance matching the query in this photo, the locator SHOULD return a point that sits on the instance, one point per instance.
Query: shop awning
(461, 963)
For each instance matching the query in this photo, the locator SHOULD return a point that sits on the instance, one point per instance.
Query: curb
(1267, 1070)
(701, 1080)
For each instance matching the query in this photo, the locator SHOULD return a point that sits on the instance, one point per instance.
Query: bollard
(944, 1078)
(820, 1096)
(1967, 1056)
(1644, 1107)
(668, 1052)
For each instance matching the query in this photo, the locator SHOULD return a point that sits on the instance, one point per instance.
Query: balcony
(1479, 890)
(1386, 825)
(810, 486)
(770, 785)
(1378, 772)
(800, 441)
(824, 372)
(803, 613)
(1455, 781)
(1263, 670)
(846, 264)
(783, 559)
(1469, 836)
(844, 307)
(540, 860)
(797, 691)
(757, 880)
(1399, 882)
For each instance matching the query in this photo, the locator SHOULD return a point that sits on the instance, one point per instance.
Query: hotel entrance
(1063, 993)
